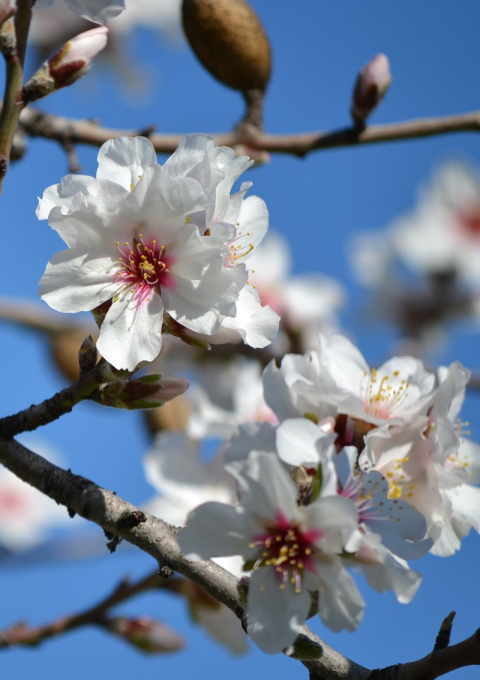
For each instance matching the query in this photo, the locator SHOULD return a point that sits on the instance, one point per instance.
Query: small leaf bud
(371, 85)
(69, 64)
(305, 649)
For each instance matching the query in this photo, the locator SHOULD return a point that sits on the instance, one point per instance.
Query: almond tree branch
(157, 538)
(61, 403)
(39, 124)
(23, 635)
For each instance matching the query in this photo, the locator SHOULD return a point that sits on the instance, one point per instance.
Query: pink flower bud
(69, 64)
(372, 83)
(147, 634)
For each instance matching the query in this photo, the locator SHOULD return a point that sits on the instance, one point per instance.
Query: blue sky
(318, 203)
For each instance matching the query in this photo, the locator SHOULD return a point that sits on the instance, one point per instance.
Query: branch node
(443, 637)
(165, 571)
(129, 520)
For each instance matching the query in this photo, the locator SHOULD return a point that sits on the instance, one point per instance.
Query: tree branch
(65, 130)
(157, 538)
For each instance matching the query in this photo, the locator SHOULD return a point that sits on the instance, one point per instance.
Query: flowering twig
(157, 538)
(23, 635)
(39, 124)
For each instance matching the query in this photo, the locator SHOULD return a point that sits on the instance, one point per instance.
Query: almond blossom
(25, 513)
(291, 551)
(149, 241)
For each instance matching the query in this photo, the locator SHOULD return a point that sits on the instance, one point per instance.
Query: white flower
(292, 550)
(227, 396)
(307, 304)
(98, 11)
(149, 240)
(442, 233)
(386, 525)
(25, 513)
(395, 392)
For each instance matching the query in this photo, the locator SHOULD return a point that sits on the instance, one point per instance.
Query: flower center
(287, 549)
(142, 266)
(381, 396)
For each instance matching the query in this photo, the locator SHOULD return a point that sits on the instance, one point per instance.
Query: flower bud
(150, 391)
(372, 83)
(145, 633)
(69, 64)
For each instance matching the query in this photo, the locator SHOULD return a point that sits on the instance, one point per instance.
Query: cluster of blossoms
(354, 468)
(437, 244)
(155, 248)
(328, 465)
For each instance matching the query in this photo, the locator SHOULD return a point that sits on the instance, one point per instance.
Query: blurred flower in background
(424, 268)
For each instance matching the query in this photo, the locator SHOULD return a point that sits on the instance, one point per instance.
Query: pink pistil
(287, 549)
(144, 268)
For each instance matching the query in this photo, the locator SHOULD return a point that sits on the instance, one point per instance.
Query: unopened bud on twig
(229, 40)
(69, 64)
(145, 633)
(372, 82)
(150, 391)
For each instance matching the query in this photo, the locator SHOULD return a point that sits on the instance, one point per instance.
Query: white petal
(213, 530)
(256, 325)
(74, 283)
(98, 11)
(132, 332)
(123, 160)
(199, 305)
(275, 616)
(340, 604)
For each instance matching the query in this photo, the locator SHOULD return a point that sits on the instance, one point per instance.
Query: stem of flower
(12, 100)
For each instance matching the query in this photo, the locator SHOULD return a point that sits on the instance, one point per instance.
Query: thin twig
(23, 635)
(53, 408)
(39, 124)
